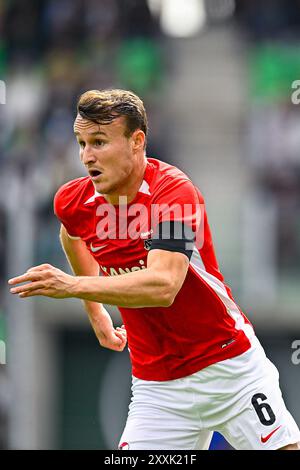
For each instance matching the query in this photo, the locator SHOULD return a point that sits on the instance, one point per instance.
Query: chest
(119, 239)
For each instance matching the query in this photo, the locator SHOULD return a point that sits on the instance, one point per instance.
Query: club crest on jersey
(147, 240)
(147, 244)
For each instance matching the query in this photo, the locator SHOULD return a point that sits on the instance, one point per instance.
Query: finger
(122, 332)
(122, 343)
(112, 342)
(26, 287)
(18, 279)
(118, 333)
(118, 342)
(40, 267)
(122, 328)
(115, 338)
(35, 292)
(121, 336)
(23, 278)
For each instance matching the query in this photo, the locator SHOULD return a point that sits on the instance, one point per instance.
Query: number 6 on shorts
(263, 410)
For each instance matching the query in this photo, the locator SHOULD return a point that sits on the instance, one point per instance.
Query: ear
(138, 140)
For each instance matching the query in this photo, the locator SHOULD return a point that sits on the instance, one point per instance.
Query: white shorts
(239, 397)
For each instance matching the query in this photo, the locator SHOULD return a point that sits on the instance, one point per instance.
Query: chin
(102, 188)
(99, 187)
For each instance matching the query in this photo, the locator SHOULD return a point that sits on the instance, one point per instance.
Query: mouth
(94, 174)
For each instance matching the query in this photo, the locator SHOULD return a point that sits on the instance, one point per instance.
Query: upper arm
(176, 220)
(79, 257)
(65, 235)
(173, 266)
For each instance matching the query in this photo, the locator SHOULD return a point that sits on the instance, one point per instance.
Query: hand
(116, 339)
(44, 280)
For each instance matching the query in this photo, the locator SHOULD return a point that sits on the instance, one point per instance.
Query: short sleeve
(177, 200)
(65, 212)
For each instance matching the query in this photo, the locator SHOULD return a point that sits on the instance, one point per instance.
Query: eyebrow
(93, 133)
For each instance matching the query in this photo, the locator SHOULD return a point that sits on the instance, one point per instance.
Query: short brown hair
(103, 106)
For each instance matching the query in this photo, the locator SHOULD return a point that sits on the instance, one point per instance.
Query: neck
(131, 187)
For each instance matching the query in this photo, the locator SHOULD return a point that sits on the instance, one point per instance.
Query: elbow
(164, 289)
(168, 295)
(166, 301)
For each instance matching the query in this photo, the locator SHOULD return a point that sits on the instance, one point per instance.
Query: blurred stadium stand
(218, 95)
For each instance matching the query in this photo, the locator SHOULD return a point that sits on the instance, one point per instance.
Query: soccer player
(197, 365)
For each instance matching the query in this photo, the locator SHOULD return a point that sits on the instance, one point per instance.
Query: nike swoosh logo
(96, 248)
(266, 438)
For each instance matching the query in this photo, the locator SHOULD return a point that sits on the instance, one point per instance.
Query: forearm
(155, 286)
(145, 288)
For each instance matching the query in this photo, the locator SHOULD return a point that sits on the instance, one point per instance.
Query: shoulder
(73, 193)
(170, 181)
(164, 170)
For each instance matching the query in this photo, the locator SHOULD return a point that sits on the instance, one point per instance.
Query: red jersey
(203, 325)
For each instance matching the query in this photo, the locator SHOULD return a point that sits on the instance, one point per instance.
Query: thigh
(162, 416)
(264, 423)
(159, 434)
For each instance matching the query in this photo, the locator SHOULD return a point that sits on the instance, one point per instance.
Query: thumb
(120, 335)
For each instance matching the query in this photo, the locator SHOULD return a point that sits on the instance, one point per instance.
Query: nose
(88, 155)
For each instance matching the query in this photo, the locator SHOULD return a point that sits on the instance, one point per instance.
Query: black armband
(174, 236)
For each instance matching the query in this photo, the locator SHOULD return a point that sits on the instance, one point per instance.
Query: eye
(99, 142)
(81, 144)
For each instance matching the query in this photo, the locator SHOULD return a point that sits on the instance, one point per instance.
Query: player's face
(106, 152)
